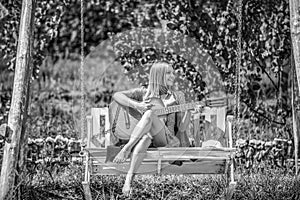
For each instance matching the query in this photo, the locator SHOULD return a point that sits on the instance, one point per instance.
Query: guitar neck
(176, 108)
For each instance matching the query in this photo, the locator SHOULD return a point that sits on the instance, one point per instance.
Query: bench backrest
(212, 124)
(209, 128)
(98, 128)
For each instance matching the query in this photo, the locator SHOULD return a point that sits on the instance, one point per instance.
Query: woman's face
(170, 77)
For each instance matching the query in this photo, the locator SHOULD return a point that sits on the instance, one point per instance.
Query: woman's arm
(124, 99)
(132, 98)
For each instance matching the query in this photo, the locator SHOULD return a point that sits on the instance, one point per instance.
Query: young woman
(150, 127)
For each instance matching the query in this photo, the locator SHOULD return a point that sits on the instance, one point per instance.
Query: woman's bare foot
(127, 189)
(121, 156)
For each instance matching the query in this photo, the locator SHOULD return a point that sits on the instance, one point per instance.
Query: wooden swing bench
(205, 158)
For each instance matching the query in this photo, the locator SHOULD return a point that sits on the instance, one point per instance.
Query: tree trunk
(15, 142)
(295, 35)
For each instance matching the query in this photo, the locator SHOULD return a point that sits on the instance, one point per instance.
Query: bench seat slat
(189, 149)
(199, 167)
(192, 153)
(171, 154)
(186, 157)
(225, 149)
(96, 160)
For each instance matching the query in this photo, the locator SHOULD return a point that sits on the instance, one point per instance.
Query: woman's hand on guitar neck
(143, 106)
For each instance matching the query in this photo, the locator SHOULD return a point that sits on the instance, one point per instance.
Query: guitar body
(127, 118)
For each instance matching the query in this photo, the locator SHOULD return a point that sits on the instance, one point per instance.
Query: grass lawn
(66, 184)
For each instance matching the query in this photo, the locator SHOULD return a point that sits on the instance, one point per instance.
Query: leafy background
(55, 103)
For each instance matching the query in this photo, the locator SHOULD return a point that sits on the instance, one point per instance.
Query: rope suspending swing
(237, 71)
(82, 102)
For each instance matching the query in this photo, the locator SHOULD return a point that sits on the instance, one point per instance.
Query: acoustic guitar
(124, 119)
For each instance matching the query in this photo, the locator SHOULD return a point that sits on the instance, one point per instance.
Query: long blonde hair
(157, 80)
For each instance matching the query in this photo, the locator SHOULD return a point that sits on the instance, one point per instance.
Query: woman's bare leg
(148, 123)
(138, 156)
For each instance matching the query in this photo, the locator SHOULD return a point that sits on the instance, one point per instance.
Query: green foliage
(47, 17)
(266, 57)
(55, 101)
(212, 24)
(6, 86)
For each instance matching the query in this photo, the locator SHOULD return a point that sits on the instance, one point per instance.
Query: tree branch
(262, 115)
(263, 69)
